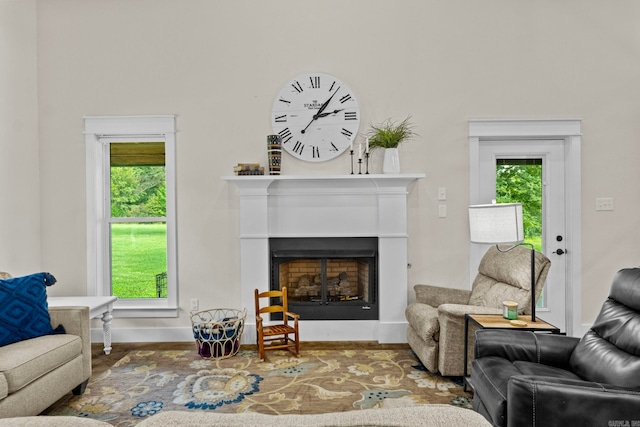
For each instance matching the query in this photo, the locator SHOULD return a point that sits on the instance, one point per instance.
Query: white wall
(217, 66)
(19, 160)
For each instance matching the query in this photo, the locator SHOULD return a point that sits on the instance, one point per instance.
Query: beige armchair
(436, 320)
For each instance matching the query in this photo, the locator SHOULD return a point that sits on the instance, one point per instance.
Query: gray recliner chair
(436, 320)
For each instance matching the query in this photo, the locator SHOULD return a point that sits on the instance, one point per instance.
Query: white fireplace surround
(328, 206)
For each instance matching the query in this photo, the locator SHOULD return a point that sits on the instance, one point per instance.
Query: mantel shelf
(375, 180)
(411, 176)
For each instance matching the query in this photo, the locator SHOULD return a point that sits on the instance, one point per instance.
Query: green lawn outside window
(138, 254)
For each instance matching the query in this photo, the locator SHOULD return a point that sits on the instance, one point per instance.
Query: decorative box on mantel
(328, 206)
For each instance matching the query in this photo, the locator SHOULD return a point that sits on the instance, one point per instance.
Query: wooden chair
(282, 332)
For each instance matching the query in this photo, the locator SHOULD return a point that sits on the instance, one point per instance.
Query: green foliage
(390, 134)
(522, 184)
(138, 191)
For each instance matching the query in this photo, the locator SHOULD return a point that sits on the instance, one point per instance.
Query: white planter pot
(391, 164)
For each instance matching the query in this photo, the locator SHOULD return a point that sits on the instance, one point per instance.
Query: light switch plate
(442, 193)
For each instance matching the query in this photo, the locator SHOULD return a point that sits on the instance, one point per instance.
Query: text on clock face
(313, 105)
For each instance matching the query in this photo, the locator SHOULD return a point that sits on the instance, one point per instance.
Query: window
(519, 180)
(131, 243)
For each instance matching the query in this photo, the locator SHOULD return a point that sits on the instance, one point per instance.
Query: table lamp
(501, 223)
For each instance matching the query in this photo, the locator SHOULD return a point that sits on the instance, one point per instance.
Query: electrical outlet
(442, 211)
(604, 204)
(194, 304)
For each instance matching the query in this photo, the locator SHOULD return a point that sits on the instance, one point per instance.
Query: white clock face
(317, 116)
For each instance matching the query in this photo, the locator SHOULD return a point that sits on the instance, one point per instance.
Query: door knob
(559, 252)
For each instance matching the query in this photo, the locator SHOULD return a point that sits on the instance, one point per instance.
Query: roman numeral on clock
(299, 147)
(296, 85)
(284, 100)
(315, 81)
(285, 134)
(346, 133)
(345, 98)
(280, 119)
(316, 152)
(333, 147)
(350, 115)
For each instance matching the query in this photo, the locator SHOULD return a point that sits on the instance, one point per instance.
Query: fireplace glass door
(327, 278)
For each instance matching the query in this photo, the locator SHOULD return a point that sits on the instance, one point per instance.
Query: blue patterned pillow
(23, 307)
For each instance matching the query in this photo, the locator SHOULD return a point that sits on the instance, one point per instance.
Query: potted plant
(389, 135)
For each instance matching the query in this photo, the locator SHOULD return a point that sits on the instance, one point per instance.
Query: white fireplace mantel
(328, 206)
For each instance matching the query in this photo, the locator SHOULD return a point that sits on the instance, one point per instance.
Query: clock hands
(320, 115)
(326, 103)
(312, 120)
(328, 114)
(320, 111)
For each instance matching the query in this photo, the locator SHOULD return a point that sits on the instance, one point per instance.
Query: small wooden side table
(98, 306)
(496, 321)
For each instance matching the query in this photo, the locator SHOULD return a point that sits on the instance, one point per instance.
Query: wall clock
(317, 116)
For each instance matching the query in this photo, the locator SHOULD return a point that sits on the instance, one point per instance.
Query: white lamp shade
(496, 223)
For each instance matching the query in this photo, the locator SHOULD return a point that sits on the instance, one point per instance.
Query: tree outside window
(520, 181)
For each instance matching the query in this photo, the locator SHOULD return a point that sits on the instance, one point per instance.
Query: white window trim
(97, 128)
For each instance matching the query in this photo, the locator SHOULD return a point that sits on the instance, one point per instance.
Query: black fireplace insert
(327, 278)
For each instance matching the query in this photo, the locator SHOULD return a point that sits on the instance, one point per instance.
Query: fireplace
(331, 278)
(318, 207)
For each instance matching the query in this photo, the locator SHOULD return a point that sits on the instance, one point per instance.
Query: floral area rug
(146, 382)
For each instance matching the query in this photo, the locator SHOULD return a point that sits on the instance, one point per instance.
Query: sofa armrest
(75, 321)
(459, 310)
(423, 319)
(451, 319)
(436, 295)
(548, 349)
(545, 401)
(451, 345)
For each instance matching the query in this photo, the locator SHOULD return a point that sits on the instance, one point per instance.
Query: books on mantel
(248, 169)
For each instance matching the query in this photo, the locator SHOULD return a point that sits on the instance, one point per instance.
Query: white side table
(97, 306)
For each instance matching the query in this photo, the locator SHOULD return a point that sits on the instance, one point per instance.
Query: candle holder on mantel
(351, 154)
(366, 162)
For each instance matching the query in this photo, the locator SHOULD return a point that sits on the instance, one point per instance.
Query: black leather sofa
(525, 379)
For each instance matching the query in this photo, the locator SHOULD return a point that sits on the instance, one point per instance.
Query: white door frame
(569, 131)
(550, 153)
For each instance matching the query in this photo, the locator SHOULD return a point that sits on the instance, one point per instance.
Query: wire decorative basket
(217, 332)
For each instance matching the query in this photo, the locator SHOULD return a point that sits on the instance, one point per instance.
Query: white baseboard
(353, 330)
(183, 334)
(384, 333)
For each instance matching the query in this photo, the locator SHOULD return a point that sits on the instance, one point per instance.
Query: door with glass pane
(532, 173)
